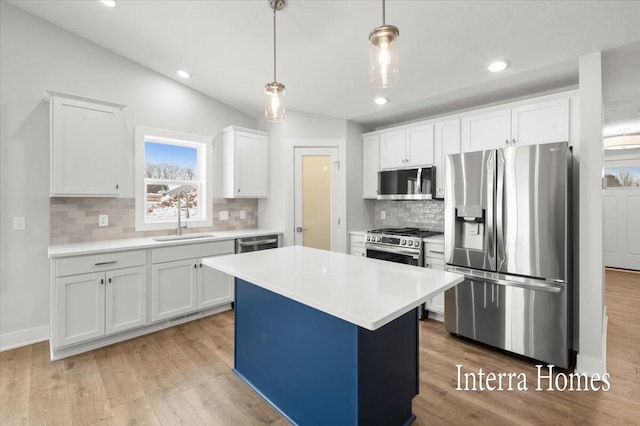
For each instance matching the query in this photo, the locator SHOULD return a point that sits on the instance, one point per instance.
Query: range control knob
(410, 243)
(417, 244)
(368, 237)
(378, 239)
(403, 242)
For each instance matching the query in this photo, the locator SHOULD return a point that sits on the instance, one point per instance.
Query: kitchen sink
(182, 237)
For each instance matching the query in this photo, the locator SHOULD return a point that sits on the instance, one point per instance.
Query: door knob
(300, 229)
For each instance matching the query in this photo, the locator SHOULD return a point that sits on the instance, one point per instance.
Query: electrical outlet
(103, 220)
(243, 214)
(19, 223)
(224, 215)
(383, 215)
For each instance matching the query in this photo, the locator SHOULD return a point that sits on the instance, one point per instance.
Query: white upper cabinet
(419, 145)
(446, 141)
(541, 122)
(533, 123)
(406, 147)
(393, 149)
(245, 163)
(86, 146)
(370, 165)
(488, 130)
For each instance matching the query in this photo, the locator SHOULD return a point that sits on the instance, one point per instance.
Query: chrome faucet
(186, 197)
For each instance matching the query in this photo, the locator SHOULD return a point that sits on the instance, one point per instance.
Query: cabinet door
(252, 165)
(419, 146)
(446, 141)
(541, 122)
(370, 165)
(392, 149)
(86, 148)
(486, 131)
(126, 299)
(79, 308)
(214, 287)
(358, 251)
(436, 304)
(173, 288)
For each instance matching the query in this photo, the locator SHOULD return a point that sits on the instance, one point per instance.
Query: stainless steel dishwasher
(244, 245)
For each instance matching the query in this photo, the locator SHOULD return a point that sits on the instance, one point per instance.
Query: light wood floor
(183, 375)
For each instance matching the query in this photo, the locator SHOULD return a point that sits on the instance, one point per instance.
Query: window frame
(204, 144)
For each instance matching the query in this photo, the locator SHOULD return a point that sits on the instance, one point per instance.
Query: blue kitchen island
(329, 338)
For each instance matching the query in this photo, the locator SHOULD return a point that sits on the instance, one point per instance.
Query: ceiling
(323, 48)
(621, 87)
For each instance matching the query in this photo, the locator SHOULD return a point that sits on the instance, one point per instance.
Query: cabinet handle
(513, 140)
(111, 262)
(201, 265)
(195, 266)
(102, 281)
(117, 186)
(109, 280)
(238, 189)
(506, 141)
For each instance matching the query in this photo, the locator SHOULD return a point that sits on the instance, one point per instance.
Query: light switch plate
(243, 214)
(224, 215)
(19, 223)
(383, 215)
(103, 220)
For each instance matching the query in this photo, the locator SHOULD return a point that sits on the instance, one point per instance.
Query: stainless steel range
(400, 245)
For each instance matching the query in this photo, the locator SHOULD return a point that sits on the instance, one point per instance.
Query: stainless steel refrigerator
(507, 229)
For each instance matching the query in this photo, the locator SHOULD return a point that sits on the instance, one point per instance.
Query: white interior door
(316, 197)
(622, 214)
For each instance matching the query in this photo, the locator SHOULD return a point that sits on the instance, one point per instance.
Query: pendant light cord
(274, 45)
(383, 14)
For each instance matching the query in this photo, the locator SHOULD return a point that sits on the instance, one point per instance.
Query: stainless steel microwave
(407, 184)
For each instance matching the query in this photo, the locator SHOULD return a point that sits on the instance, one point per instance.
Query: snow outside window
(172, 169)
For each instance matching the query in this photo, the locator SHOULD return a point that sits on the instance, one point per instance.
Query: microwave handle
(419, 182)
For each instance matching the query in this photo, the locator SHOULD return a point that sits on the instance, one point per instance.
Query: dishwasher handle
(257, 243)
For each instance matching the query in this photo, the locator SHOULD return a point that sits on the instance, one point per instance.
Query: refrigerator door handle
(489, 278)
(500, 253)
(490, 235)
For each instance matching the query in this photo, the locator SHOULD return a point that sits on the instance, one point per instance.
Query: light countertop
(435, 239)
(75, 249)
(367, 292)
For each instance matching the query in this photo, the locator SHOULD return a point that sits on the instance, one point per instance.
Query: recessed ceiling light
(109, 3)
(380, 100)
(498, 66)
(183, 74)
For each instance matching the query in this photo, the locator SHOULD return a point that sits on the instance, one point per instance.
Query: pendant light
(383, 55)
(274, 91)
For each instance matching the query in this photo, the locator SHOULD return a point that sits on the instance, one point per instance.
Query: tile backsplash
(76, 219)
(428, 214)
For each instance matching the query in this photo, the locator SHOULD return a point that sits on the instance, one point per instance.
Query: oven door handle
(395, 250)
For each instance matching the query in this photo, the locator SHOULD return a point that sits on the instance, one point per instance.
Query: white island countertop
(367, 292)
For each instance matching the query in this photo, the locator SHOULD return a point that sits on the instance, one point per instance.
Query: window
(171, 170)
(622, 177)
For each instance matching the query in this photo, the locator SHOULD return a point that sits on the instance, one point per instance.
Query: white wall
(360, 212)
(589, 270)
(36, 55)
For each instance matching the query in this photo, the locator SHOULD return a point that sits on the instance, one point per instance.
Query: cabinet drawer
(192, 251)
(357, 240)
(100, 262)
(434, 250)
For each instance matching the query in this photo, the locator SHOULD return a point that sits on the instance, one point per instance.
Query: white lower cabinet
(180, 286)
(95, 304)
(356, 244)
(173, 288)
(434, 259)
(214, 288)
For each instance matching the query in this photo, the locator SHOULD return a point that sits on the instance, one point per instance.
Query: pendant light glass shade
(274, 101)
(274, 91)
(383, 57)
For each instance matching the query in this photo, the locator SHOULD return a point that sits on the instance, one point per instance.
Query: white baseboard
(25, 337)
